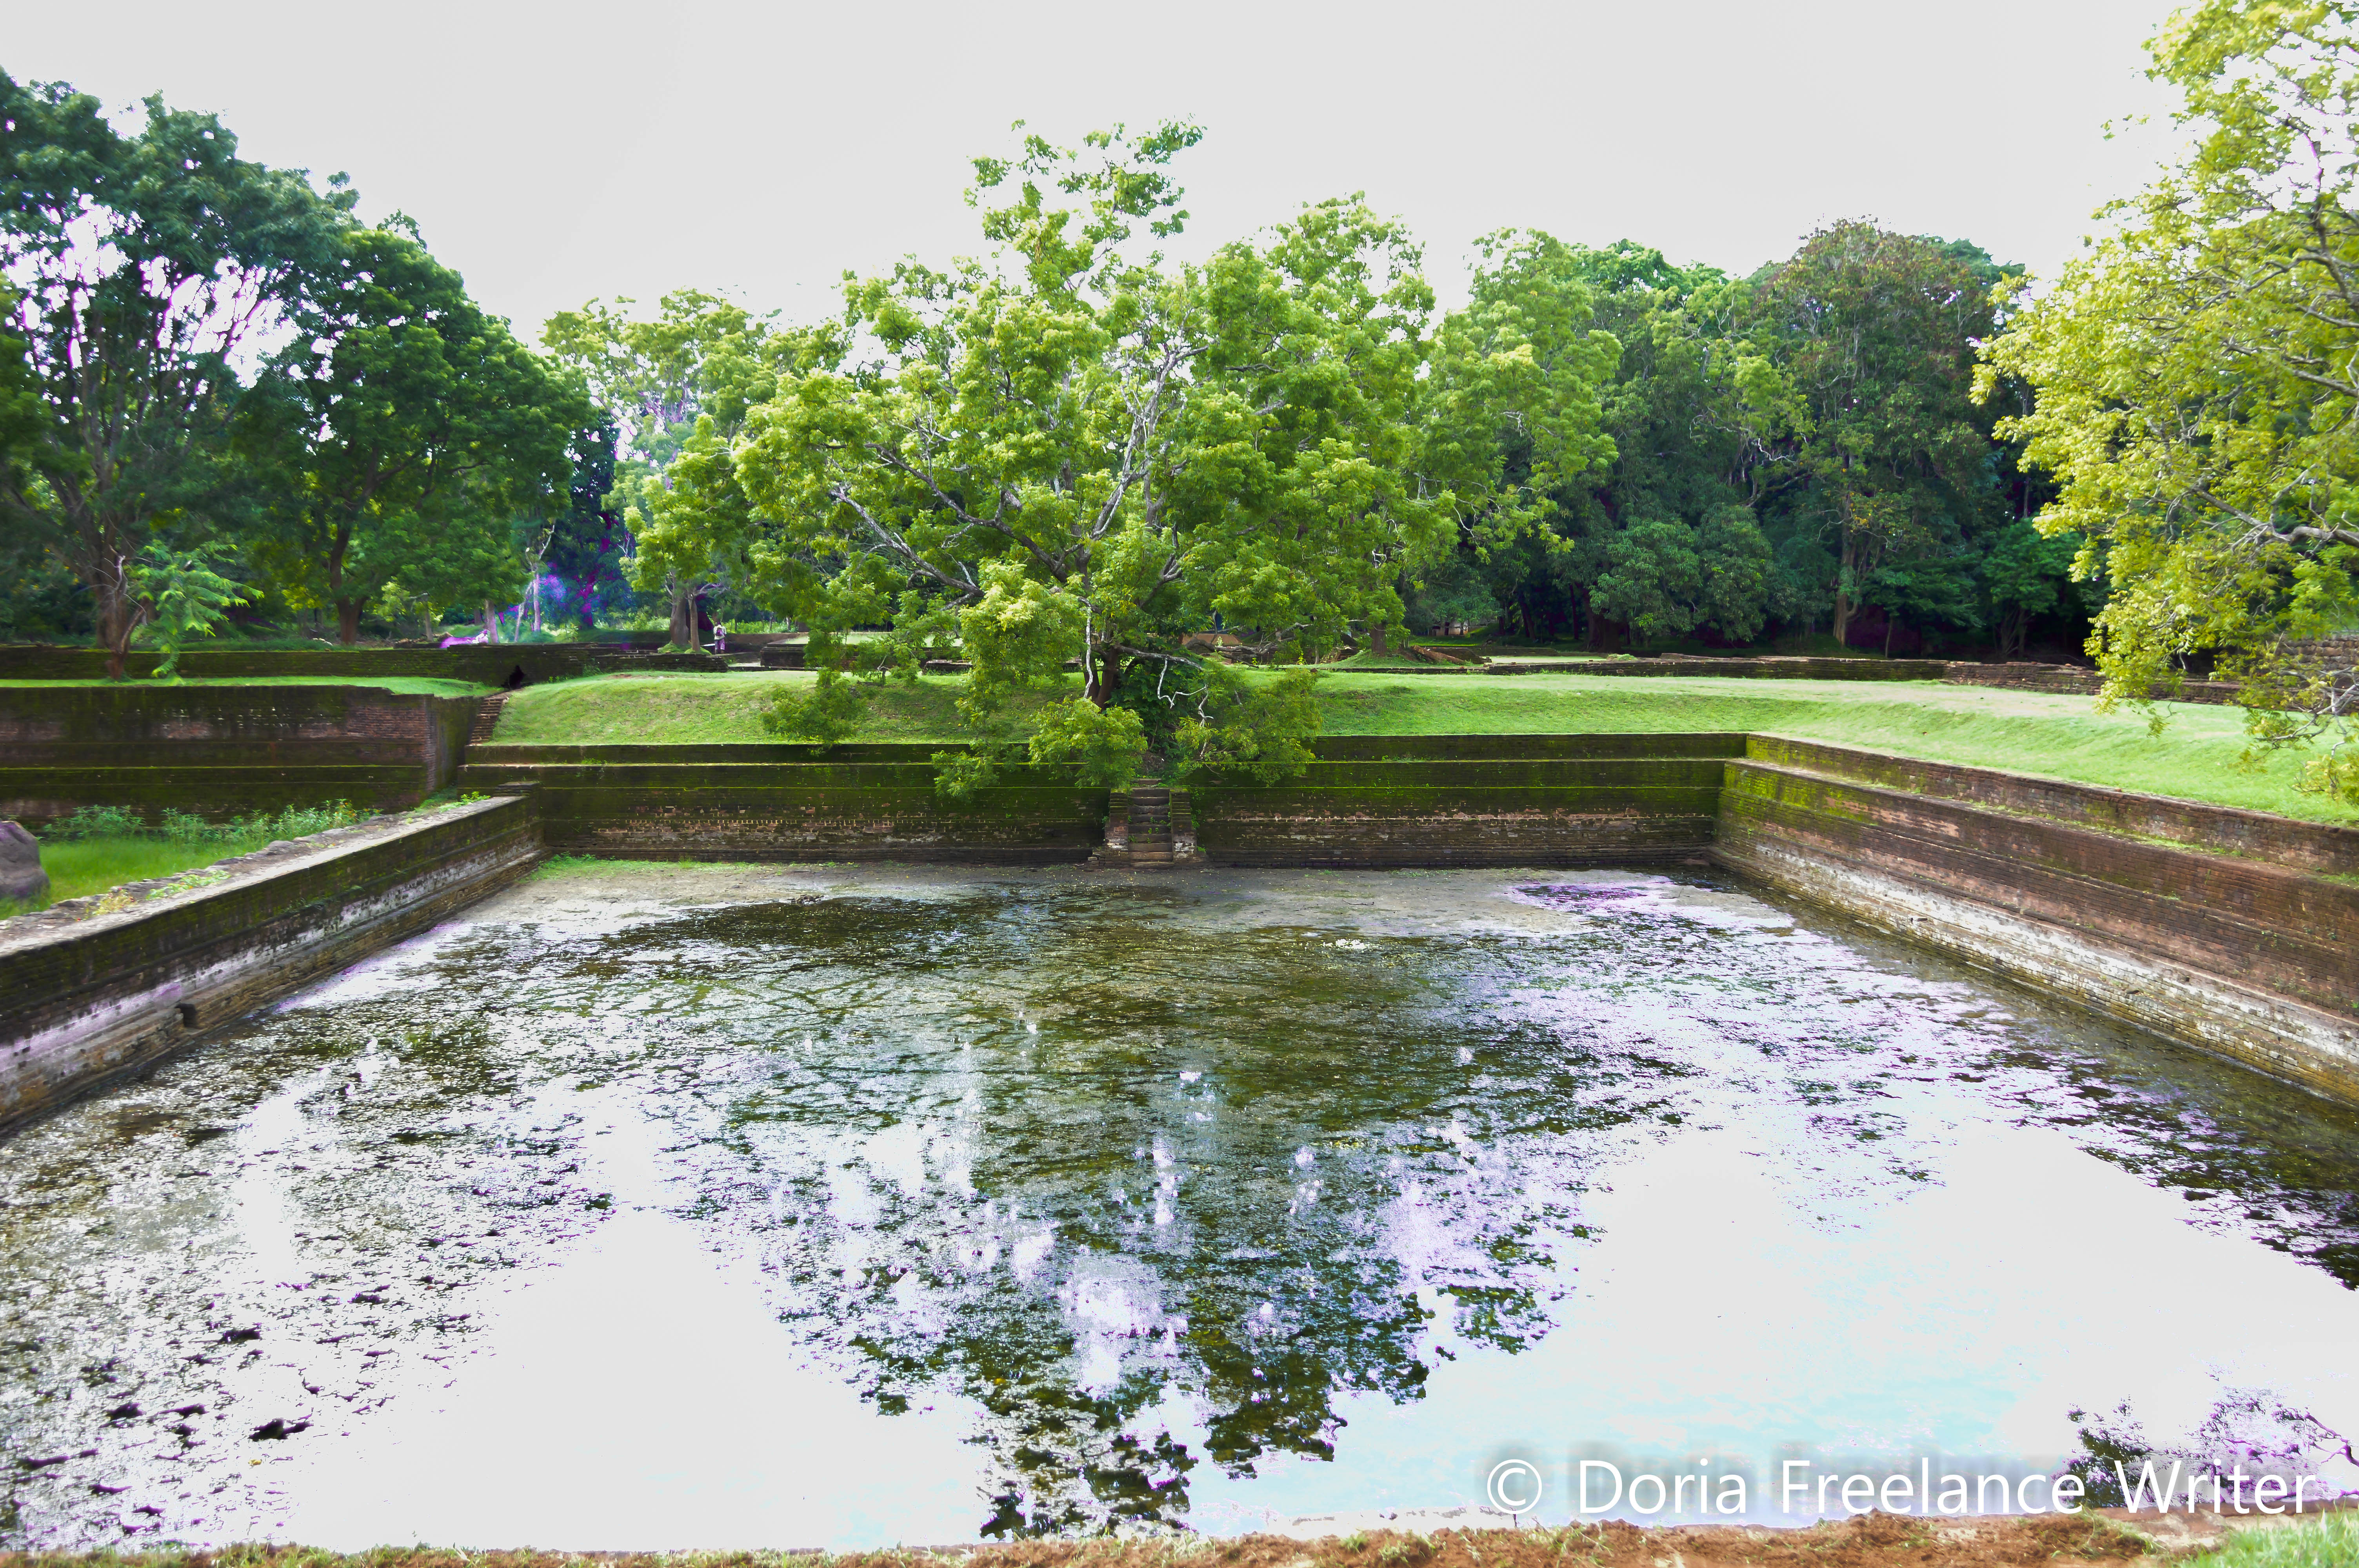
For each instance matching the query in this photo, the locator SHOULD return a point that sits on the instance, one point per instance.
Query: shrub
(177, 827)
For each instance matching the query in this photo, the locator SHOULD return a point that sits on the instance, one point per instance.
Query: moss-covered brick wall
(98, 986)
(500, 665)
(790, 802)
(2211, 926)
(1472, 800)
(2226, 829)
(225, 750)
(1787, 668)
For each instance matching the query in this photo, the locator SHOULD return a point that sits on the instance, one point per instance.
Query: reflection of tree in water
(1221, 1171)
(1111, 1172)
(2254, 1157)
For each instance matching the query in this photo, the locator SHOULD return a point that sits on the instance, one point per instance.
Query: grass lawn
(2023, 732)
(93, 865)
(403, 686)
(703, 709)
(100, 858)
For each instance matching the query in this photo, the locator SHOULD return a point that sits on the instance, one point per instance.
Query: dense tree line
(220, 387)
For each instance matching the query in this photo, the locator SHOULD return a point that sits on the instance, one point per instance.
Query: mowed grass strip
(2059, 736)
(93, 865)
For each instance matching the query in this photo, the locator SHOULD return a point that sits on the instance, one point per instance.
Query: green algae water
(651, 1207)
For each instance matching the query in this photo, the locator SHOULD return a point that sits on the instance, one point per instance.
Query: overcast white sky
(552, 153)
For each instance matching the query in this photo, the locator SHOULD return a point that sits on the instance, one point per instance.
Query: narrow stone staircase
(1150, 824)
(487, 718)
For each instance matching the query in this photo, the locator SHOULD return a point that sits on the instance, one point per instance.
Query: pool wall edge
(99, 988)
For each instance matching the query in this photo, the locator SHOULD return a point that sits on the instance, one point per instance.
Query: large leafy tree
(412, 430)
(1666, 538)
(2196, 376)
(700, 362)
(1515, 417)
(151, 268)
(1069, 453)
(1866, 393)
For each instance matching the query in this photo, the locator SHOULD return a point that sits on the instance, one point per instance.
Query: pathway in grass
(2064, 736)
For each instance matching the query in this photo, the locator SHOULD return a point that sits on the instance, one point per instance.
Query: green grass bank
(107, 848)
(401, 686)
(2043, 733)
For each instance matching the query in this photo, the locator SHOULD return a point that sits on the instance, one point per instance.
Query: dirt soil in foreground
(1872, 1541)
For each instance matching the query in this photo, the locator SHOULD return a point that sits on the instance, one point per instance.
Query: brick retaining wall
(97, 987)
(494, 664)
(871, 802)
(2227, 937)
(2228, 929)
(219, 750)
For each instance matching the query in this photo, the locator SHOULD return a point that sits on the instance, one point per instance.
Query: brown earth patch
(1872, 1541)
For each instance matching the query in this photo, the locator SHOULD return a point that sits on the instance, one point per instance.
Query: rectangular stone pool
(666, 1205)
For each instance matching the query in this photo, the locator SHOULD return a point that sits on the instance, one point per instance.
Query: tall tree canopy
(1071, 452)
(410, 431)
(2197, 378)
(702, 362)
(152, 269)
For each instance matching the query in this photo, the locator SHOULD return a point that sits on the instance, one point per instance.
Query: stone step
(486, 719)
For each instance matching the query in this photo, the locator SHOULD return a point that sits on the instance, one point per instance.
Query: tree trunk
(1103, 672)
(1843, 606)
(1890, 623)
(115, 624)
(348, 622)
(1377, 638)
(683, 619)
(491, 622)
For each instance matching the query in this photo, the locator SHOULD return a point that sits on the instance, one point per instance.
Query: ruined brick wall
(220, 750)
(500, 665)
(100, 986)
(1472, 800)
(2225, 934)
(790, 802)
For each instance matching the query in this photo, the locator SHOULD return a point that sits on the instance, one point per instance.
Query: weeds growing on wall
(185, 827)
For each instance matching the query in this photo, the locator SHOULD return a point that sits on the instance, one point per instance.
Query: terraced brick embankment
(875, 802)
(2232, 930)
(222, 749)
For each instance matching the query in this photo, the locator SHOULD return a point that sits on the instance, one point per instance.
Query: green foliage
(149, 265)
(2209, 461)
(1452, 592)
(1258, 725)
(680, 387)
(97, 822)
(2331, 1542)
(1072, 453)
(410, 431)
(176, 826)
(1104, 744)
(182, 597)
(828, 714)
(1868, 393)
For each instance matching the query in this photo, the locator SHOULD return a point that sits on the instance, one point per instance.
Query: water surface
(651, 1207)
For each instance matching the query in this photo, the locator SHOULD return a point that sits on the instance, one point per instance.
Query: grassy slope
(402, 685)
(93, 865)
(2035, 732)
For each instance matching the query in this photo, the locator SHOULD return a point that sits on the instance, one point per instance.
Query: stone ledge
(97, 987)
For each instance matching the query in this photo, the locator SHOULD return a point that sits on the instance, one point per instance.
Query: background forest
(315, 412)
